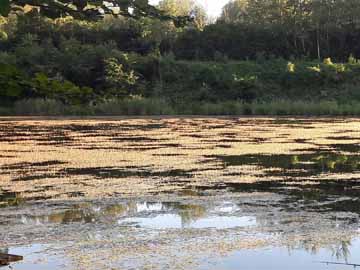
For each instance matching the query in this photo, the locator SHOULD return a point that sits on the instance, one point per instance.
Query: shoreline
(175, 116)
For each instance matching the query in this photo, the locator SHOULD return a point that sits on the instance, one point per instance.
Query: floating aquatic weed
(92, 154)
(113, 172)
(31, 165)
(10, 199)
(346, 147)
(307, 164)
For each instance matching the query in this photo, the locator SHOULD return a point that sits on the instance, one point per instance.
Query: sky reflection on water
(283, 259)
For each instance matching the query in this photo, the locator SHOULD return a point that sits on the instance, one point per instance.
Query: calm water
(35, 258)
(261, 259)
(220, 217)
(282, 258)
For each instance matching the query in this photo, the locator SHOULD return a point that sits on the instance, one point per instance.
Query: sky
(213, 7)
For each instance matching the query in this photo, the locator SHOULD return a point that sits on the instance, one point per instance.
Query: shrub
(119, 79)
(13, 83)
(65, 91)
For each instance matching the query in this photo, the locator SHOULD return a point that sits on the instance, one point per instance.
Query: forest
(129, 57)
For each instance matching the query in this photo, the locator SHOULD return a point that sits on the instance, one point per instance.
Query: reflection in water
(297, 231)
(173, 221)
(191, 213)
(90, 214)
(37, 257)
(4, 250)
(340, 251)
(276, 258)
(157, 215)
(79, 214)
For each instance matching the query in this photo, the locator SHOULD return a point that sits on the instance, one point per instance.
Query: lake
(180, 193)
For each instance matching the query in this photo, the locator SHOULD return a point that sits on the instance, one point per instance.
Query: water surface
(180, 193)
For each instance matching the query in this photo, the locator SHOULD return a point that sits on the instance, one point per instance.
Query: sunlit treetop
(91, 9)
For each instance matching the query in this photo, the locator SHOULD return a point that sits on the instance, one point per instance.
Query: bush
(13, 83)
(65, 91)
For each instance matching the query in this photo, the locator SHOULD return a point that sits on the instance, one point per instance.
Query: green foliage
(30, 55)
(133, 65)
(185, 8)
(290, 67)
(245, 87)
(65, 91)
(3, 36)
(221, 58)
(328, 61)
(4, 7)
(13, 83)
(207, 82)
(352, 60)
(248, 29)
(119, 79)
(92, 9)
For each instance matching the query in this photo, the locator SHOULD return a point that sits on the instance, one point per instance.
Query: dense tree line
(141, 53)
(64, 50)
(90, 9)
(313, 29)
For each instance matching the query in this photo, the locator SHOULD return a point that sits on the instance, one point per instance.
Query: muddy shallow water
(180, 193)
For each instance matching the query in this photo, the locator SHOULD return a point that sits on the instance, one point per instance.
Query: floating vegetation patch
(113, 172)
(136, 139)
(346, 147)
(10, 199)
(158, 155)
(27, 165)
(123, 193)
(301, 164)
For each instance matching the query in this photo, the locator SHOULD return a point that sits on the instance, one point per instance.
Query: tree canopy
(181, 8)
(92, 9)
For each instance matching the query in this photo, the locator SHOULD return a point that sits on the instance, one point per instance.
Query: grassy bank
(152, 106)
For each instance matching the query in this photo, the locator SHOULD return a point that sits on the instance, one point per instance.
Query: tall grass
(47, 107)
(134, 106)
(153, 106)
